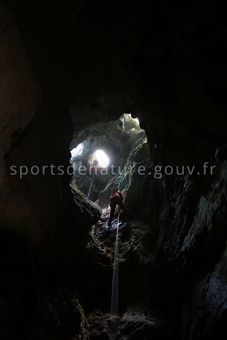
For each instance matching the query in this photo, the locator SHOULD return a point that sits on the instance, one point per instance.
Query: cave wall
(35, 211)
(171, 77)
(20, 97)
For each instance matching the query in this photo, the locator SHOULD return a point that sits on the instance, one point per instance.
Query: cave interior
(97, 84)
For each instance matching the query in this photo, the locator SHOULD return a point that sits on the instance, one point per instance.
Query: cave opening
(99, 159)
(105, 157)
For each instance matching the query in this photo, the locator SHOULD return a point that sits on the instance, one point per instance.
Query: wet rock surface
(132, 235)
(204, 314)
(131, 325)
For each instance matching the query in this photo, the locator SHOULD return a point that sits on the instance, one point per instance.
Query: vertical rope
(89, 191)
(115, 282)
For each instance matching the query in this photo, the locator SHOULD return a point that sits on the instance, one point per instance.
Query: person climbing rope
(116, 198)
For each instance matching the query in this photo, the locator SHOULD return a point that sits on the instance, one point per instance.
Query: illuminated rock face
(94, 62)
(124, 142)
